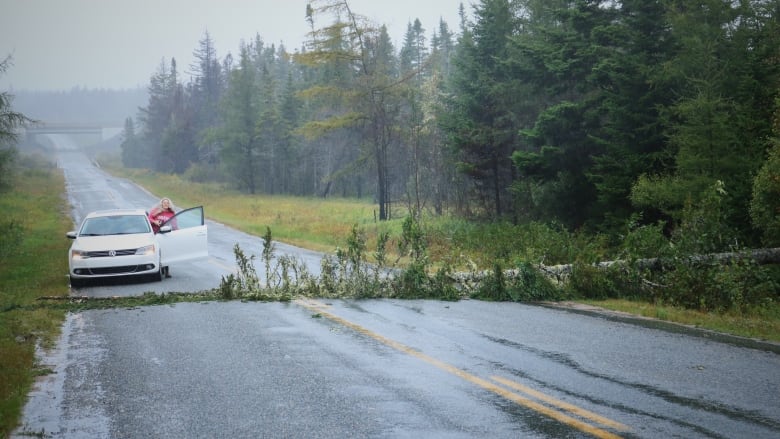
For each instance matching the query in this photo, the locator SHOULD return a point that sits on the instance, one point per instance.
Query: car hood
(113, 242)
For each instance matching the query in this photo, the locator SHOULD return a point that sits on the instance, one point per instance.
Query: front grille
(125, 269)
(107, 253)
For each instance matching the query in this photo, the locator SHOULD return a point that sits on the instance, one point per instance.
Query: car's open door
(188, 238)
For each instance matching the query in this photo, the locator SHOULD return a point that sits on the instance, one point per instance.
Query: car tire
(158, 277)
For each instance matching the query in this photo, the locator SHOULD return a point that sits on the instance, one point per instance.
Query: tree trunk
(762, 256)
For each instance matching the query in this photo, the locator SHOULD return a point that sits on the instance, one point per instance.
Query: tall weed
(347, 274)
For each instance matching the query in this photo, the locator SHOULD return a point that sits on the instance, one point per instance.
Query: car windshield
(115, 225)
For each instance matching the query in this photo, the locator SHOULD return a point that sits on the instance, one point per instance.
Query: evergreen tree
(413, 57)
(325, 129)
(561, 43)
(443, 182)
(482, 125)
(631, 137)
(241, 149)
(289, 142)
(381, 103)
(269, 134)
(414, 52)
(208, 85)
(156, 116)
(179, 146)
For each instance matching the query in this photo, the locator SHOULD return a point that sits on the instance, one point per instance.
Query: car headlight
(79, 254)
(148, 250)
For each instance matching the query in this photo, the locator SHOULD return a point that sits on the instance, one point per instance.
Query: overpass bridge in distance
(62, 128)
(86, 133)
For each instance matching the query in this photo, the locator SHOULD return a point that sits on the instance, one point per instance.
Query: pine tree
(156, 116)
(413, 57)
(269, 133)
(208, 85)
(241, 149)
(634, 48)
(481, 124)
(444, 183)
(289, 142)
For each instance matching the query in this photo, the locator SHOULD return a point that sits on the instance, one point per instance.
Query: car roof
(114, 212)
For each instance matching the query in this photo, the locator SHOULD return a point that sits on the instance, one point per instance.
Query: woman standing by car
(159, 214)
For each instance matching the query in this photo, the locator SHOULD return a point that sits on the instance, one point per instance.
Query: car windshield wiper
(91, 234)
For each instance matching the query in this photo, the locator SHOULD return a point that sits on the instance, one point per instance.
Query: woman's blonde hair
(159, 208)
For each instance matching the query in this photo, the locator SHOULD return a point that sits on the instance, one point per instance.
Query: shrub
(645, 241)
(442, 286)
(614, 282)
(412, 282)
(523, 284)
(529, 285)
(738, 285)
(493, 286)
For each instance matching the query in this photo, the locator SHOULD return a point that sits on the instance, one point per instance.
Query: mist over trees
(78, 105)
(589, 114)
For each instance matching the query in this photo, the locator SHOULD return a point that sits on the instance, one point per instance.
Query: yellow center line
(485, 384)
(561, 404)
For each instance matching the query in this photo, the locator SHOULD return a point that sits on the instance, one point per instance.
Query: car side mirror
(71, 235)
(165, 229)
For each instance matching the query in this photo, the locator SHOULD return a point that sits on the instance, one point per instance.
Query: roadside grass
(761, 323)
(32, 264)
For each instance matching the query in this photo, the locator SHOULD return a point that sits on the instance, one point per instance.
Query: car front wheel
(158, 276)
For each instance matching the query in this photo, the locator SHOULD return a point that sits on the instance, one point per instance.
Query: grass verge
(32, 264)
(758, 323)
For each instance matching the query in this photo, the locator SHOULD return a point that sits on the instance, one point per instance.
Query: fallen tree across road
(559, 273)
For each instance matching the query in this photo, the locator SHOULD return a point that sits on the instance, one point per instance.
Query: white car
(120, 242)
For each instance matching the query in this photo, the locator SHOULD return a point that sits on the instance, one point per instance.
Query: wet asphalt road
(380, 368)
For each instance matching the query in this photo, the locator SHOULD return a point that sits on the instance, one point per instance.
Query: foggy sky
(119, 44)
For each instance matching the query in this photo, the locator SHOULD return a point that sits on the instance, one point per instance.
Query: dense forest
(589, 114)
